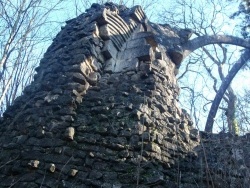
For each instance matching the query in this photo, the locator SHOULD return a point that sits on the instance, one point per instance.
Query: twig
(8, 162)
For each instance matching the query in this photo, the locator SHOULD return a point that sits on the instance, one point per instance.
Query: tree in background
(244, 58)
(25, 29)
(209, 66)
(242, 14)
(240, 64)
(244, 111)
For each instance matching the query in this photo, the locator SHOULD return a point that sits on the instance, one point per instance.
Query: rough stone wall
(103, 111)
(223, 160)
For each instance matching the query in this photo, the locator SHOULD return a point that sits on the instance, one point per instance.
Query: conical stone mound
(102, 110)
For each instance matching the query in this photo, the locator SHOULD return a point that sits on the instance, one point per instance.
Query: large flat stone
(136, 43)
(144, 53)
(105, 32)
(109, 50)
(142, 35)
(126, 65)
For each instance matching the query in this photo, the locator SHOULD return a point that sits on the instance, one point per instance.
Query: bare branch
(201, 41)
(213, 110)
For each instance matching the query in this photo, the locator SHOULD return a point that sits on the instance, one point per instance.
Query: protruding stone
(153, 147)
(144, 53)
(185, 34)
(176, 54)
(69, 133)
(93, 77)
(91, 154)
(50, 98)
(136, 43)
(51, 167)
(104, 32)
(73, 172)
(109, 50)
(194, 134)
(34, 163)
(126, 65)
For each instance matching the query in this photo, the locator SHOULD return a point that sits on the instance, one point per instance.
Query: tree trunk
(215, 105)
(230, 113)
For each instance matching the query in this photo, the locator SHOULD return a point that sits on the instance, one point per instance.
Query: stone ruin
(103, 111)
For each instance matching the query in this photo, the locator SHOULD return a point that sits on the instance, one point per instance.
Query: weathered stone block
(153, 147)
(51, 167)
(73, 172)
(109, 50)
(126, 65)
(105, 32)
(144, 53)
(95, 174)
(136, 43)
(142, 35)
(34, 163)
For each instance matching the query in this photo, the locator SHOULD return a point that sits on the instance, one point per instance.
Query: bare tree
(211, 64)
(244, 24)
(243, 107)
(242, 62)
(245, 57)
(25, 27)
